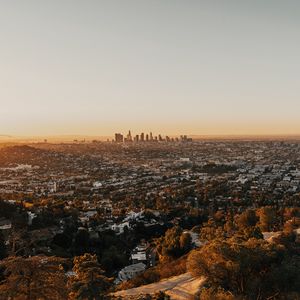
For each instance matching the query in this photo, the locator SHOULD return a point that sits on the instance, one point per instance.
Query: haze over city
(175, 67)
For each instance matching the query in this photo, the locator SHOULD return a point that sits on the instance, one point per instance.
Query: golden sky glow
(194, 67)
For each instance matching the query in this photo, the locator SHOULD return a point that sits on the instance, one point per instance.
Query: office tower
(184, 138)
(119, 138)
(159, 138)
(151, 136)
(142, 137)
(147, 137)
(129, 137)
(136, 139)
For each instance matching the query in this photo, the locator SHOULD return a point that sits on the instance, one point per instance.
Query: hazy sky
(196, 67)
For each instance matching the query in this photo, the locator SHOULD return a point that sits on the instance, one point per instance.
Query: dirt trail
(180, 287)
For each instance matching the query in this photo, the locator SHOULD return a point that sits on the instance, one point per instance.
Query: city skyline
(148, 137)
(196, 67)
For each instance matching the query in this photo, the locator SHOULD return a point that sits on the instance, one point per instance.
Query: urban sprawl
(118, 199)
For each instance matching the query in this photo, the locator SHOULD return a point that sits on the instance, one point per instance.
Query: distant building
(151, 136)
(129, 137)
(184, 138)
(119, 138)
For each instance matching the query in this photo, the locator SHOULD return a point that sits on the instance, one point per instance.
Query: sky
(174, 67)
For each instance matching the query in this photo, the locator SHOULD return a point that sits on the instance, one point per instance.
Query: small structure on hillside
(131, 271)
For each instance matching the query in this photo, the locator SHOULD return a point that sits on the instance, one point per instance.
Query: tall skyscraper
(142, 137)
(151, 136)
(129, 137)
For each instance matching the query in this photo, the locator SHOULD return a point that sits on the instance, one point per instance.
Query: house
(140, 253)
(5, 227)
(119, 228)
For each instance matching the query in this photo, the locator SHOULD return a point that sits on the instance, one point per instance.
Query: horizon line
(67, 137)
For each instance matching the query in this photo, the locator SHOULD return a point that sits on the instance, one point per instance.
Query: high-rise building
(151, 136)
(129, 137)
(184, 138)
(119, 138)
(142, 137)
(147, 137)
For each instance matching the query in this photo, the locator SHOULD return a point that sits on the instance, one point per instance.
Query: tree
(19, 243)
(185, 242)
(230, 226)
(267, 218)
(246, 219)
(174, 244)
(37, 277)
(293, 215)
(215, 294)
(252, 232)
(62, 240)
(89, 281)
(249, 268)
(7, 210)
(211, 230)
(113, 259)
(160, 296)
(219, 217)
(81, 241)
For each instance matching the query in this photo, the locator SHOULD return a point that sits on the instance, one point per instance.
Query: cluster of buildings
(110, 172)
(120, 138)
(111, 186)
(113, 178)
(142, 257)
